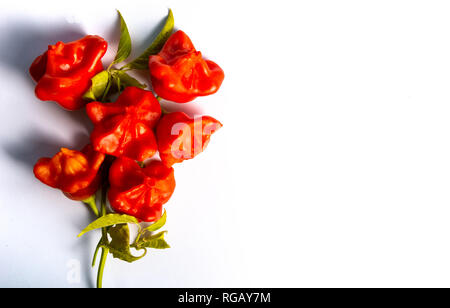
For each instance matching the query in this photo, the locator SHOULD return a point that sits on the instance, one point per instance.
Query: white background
(332, 168)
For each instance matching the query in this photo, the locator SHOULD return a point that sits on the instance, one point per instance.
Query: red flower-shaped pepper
(140, 192)
(74, 172)
(125, 127)
(63, 73)
(181, 137)
(180, 74)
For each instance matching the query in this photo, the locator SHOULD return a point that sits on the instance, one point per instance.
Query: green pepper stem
(101, 267)
(92, 204)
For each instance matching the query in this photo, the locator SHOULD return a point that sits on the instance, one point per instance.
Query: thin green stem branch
(104, 239)
(96, 251)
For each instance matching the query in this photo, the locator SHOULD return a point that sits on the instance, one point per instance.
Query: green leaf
(98, 86)
(141, 62)
(120, 236)
(119, 246)
(123, 80)
(109, 220)
(124, 49)
(155, 241)
(125, 256)
(157, 225)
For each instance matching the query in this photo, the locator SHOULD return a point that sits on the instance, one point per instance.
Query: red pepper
(181, 138)
(180, 74)
(63, 73)
(125, 127)
(140, 192)
(74, 172)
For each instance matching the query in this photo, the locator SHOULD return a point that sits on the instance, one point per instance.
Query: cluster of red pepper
(127, 132)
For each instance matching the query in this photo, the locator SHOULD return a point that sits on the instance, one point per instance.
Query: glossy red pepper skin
(140, 192)
(75, 173)
(125, 127)
(181, 137)
(180, 74)
(63, 73)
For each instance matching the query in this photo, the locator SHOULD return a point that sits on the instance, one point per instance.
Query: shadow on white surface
(26, 40)
(38, 144)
